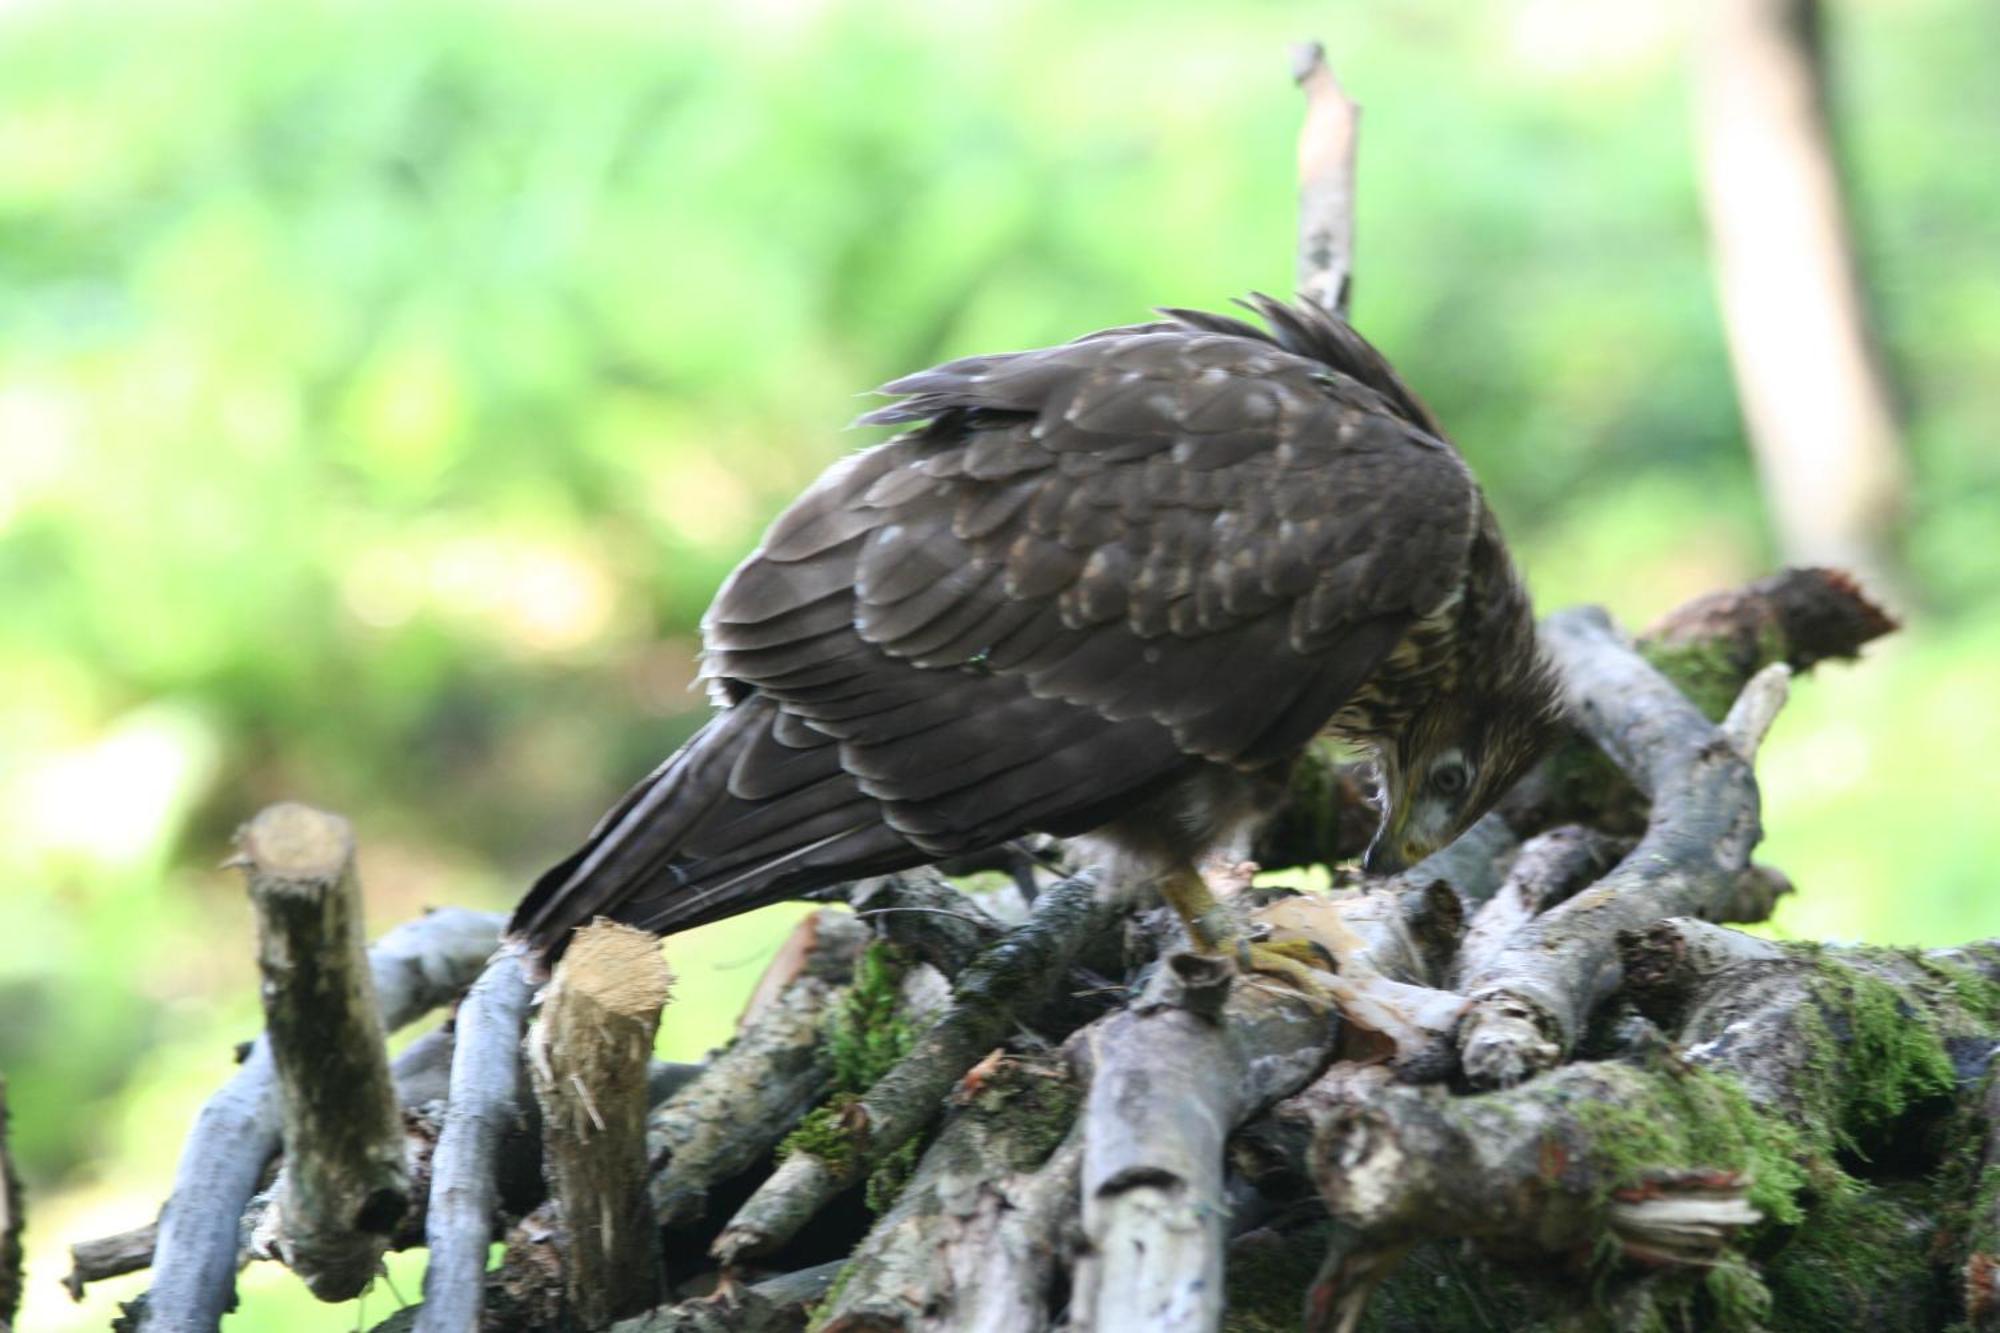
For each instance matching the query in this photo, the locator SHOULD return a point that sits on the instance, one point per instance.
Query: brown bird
(1110, 588)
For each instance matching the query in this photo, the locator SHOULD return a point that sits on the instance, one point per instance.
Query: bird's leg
(1215, 928)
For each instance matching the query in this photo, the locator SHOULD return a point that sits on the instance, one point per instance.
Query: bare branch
(1550, 868)
(1668, 963)
(485, 1100)
(748, 1098)
(415, 968)
(1326, 181)
(1751, 716)
(344, 1186)
(1531, 998)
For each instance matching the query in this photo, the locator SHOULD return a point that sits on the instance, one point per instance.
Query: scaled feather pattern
(1088, 585)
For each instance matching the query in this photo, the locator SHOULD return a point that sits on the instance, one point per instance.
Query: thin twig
(11, 1221)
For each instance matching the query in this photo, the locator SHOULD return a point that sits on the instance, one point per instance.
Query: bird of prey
(1113, 588)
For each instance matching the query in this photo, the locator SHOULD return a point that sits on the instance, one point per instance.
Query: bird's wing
(1096, 563)
(1095, 567)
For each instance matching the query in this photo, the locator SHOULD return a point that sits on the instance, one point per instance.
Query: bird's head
(1455, 759)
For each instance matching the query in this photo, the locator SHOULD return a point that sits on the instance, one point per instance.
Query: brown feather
(1091, 573)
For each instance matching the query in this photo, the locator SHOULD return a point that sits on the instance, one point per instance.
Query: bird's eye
(1451, 778)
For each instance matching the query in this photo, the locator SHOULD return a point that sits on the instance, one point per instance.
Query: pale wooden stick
(485, 1099)
(1326, 181)
(588, 1057)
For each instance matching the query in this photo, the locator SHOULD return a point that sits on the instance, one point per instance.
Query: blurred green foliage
(384, 389)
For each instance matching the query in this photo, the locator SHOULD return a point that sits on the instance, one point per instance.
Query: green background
(385, 387)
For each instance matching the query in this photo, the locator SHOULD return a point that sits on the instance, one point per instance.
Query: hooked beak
(1383, 858)
(1391, 852)
(1413, 827)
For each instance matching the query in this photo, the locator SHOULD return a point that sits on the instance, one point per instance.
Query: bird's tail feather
(749, 811)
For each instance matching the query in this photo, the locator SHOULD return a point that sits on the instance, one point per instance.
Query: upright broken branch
(1326, 181)
(413, 969)
(588, 1055)
(344, 1186)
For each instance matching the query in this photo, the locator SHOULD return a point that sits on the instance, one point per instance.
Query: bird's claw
(1303, 964)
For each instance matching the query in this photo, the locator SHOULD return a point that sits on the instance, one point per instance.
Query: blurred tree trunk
(10, 1226)
(1815, 398)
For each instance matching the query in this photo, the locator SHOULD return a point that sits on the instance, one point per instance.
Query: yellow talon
(1212, 928)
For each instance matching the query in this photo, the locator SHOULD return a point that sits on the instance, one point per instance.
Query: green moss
(886, 1181)
(1982, 1232)
(1864, 1260)
(1879, 1051)
(866, 1034)
(1267, 1277)
(1688, 1118)
(1706, 671)
(822, 1134)
(1970, 989)
(1737, 1294)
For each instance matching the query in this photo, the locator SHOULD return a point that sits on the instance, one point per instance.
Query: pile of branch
(1548, 1090)
(955, 1108)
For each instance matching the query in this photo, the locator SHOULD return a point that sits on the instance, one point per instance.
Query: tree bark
(414, 968)
(484, 1103)
(344, 1186)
